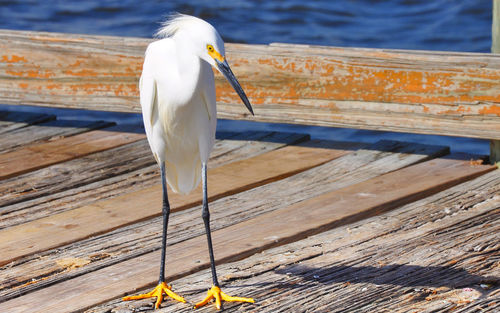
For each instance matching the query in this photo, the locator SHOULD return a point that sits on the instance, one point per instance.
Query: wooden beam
(495, 27)
(445, 93)
(495, 48)
(495, 152)
(41, 155)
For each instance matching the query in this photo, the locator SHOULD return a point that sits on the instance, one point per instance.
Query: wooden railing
(442, 93)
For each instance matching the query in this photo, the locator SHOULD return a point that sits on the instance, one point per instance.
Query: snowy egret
(177, 92)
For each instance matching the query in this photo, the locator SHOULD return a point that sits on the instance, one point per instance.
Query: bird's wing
(207, 139)
(149, 105)
(208, 95)
(148, 93)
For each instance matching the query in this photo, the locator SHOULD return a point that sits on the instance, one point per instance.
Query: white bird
(177, 94)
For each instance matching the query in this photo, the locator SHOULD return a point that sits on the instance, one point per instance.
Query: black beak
(228, 74)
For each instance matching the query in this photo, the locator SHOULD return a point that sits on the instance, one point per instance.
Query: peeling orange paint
(286, 79)
(53, 86)
(331, 79)
(122, 90)
(30, 74)
(492, 109)
(82, 73)
(283, 64)
(77, 63)
(463, 109)
(13, 59)
(459, 110)
(92, 73)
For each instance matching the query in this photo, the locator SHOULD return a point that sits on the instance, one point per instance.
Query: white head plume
(175, 22)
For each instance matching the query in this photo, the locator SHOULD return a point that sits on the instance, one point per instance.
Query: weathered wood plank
(495, 28)
(495, 152)
(443, 93)
(106, 215)
(257, 234)
(46, 131)
(438, 254)
(41, 155)
(495, 48)
(248, 144)
(10, 121)
(34, 272)
(64, 186)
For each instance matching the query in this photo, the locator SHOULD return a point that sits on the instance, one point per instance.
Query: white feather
(174, 23)
(177, 91)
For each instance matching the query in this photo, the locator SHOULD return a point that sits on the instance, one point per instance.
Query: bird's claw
(158, 292)
(219, 296)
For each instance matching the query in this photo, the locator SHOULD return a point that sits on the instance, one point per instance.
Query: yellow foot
(219, 296)
(158, 293)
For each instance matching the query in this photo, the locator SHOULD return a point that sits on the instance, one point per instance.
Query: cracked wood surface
(46, 132)
(259, 233)
(139, 238)
(81, 273)
(39, 155)
(438, 254)
(98, 217)
(64, 186)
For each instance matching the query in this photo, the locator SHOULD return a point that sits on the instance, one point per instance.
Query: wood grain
(445, 93)
(37, 271)
(10, 121)
(434, 255)
(41, 155)
(64, 186)
(265, 231)
(106, 215)
(46, 131)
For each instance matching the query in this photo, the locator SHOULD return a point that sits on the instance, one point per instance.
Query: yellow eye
(214, 53)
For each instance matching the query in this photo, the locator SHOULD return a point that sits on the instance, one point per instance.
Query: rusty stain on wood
(13, 59)
(492, 109)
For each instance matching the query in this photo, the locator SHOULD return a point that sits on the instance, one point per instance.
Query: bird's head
(207, 44)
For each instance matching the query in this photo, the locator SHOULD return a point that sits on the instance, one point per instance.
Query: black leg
(214, 292)
(166, 213)
(162, 287)
(206, 218)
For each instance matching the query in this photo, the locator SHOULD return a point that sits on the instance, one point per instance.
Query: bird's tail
(185, 176)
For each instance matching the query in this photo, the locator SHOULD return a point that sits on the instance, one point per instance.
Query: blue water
(451, 25)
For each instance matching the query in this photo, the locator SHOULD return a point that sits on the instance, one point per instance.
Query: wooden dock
(300, 225)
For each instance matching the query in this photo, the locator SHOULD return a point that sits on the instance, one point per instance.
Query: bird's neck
(189, 62)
